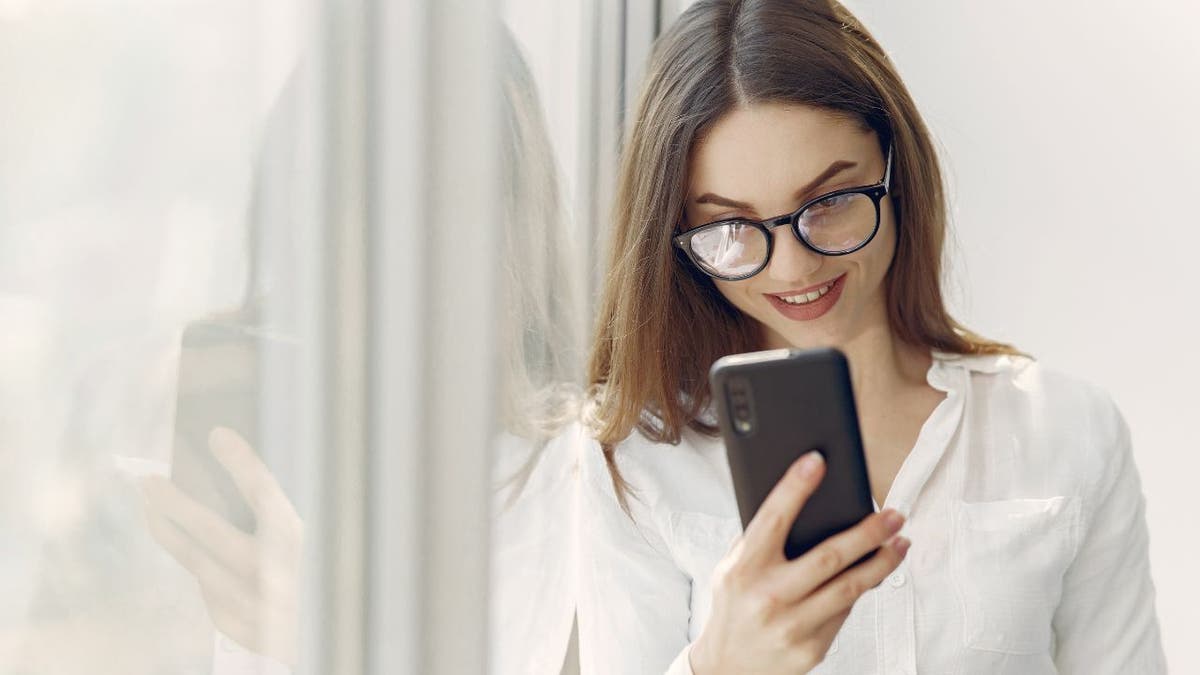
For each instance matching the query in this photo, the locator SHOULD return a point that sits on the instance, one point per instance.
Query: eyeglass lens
(839, 223)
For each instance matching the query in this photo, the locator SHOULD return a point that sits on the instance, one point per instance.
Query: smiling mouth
(805, 297)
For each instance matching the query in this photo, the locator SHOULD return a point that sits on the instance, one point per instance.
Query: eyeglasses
(835, 223)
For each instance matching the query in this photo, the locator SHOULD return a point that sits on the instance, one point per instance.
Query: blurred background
(367, 235)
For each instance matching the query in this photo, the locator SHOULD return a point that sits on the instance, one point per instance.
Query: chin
(800, 339)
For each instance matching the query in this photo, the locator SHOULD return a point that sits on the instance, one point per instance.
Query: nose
(791, 260)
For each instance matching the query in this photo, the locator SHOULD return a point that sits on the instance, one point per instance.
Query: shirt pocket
(1008, 565)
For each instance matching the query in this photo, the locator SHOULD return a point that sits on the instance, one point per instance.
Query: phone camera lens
(741, 405)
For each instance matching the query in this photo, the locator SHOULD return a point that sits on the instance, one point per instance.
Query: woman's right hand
(250, 581)
(774, 615)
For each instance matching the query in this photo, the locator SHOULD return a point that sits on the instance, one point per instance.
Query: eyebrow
(831, 171)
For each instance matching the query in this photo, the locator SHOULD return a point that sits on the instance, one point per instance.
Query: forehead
(768, 148)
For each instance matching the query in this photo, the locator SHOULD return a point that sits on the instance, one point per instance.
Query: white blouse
(1029, 543)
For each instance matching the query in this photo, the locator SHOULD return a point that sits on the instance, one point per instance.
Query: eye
(829, 205)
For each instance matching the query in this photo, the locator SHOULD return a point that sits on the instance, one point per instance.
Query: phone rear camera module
(741, 406)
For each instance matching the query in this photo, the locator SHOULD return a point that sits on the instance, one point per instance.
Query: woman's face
(766, 160)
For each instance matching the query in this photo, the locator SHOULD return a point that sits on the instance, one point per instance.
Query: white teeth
(805, 298)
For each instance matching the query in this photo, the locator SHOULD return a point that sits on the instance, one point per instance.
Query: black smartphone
(218, 386)
(774, 406)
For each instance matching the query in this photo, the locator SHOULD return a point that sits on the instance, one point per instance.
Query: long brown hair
(660, 323)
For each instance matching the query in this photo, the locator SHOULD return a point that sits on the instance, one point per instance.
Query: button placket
(897, 627)
(895, 623)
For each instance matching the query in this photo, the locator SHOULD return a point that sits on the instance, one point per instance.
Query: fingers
(252, 478)
(828, 630)
(840, 594)
(226, 543)
(234, 625)
(765, 535)
(822, 637)
(194, 558)
(268, 631)
(802, 576)
(249, 581)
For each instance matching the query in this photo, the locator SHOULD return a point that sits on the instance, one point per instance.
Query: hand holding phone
(812, 543)
(775, 615)
(250, 580)
(774, 406)
(223, 514)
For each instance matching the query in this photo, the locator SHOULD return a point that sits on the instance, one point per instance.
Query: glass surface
(733, 249)
(132, 194)
(839, 223)
(548, 146)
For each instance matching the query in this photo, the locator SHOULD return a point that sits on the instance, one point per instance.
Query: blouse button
(897, 579)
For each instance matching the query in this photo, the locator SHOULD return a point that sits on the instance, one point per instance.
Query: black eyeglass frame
(876, 192)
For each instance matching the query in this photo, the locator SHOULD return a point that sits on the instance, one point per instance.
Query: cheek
(727, 289)
(875, 260)
(736, 292)
(883, 249)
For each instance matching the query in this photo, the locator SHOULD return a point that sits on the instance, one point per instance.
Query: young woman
(779, 189)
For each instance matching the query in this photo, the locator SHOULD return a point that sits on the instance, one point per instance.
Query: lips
(809, 289)
(803, 298)
(807, 310)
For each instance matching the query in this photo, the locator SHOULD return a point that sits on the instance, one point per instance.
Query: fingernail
(892, 520)
(901, 544)
(809, 462)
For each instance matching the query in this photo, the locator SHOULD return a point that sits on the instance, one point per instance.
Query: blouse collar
(982, 363)
(948, 372)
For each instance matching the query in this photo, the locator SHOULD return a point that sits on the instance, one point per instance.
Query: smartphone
(774, 406)
(218, 386)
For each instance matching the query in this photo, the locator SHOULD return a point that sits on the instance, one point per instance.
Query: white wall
(1071, 142)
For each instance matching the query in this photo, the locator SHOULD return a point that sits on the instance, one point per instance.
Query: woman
(1014, 483)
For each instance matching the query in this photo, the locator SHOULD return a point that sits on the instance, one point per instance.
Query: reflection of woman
(250, 581)
(779, 189)
(531, 607)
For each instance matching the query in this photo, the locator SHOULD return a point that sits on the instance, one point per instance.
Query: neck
(882, 367)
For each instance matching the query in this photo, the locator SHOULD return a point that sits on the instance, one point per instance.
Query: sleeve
(634, 601)
(532, 599)
(1106, 621)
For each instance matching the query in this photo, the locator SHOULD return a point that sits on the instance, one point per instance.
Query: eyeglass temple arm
(887, 173)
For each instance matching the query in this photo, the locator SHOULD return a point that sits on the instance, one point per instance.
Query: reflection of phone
(218, 386)
(774, 406)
